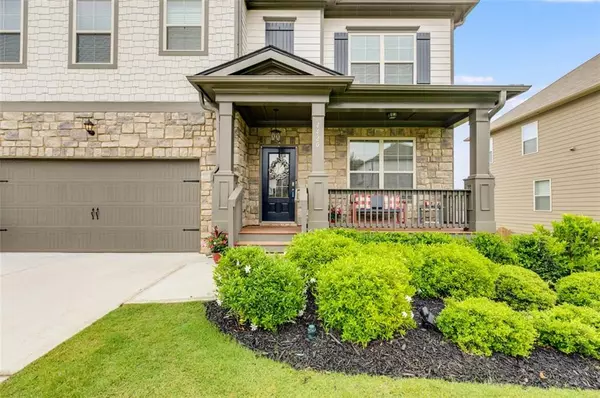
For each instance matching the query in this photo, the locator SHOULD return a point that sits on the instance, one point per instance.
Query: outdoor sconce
(392, 115)
(89, 127)
(275, 133)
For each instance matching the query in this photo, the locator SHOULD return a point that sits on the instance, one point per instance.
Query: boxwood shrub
(494, 247)
(365, 297)
(523, 289)
(570, 329)
(580, 234)
(264, 290)
(416, 238)
(481, 326)
(543, 254)
(582, 288)
(310, 251)
(454, 270)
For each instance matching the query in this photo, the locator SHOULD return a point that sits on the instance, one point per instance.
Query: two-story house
(137, 125)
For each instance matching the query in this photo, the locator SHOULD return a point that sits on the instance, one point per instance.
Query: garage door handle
(92, 213)
(97, 213)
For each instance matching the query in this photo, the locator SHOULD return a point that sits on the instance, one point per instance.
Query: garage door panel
(46, 239)
(50, 216)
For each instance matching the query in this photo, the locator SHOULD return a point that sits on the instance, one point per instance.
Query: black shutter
(280, 35)
(340, 54)
(423, 58)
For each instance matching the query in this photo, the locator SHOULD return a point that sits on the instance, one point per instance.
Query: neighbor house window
(94, 33)
(184, 27)
(529, 138)
(12, 23)
(383, 58)
(491, 150)
(280, 34)
(542, 190)
(381, 164)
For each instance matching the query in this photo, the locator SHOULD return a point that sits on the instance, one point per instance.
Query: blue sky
(531, 42)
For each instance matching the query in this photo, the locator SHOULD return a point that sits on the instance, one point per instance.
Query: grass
(171, 350)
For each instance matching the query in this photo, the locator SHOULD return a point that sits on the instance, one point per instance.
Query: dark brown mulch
(422, 352)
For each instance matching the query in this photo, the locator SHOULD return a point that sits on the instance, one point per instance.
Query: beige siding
(575, 174)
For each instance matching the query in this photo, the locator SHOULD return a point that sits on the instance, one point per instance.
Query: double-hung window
(542, 195)
(529, 138)
(383, 58)
(183, 27)
(381, 164)
(94, 34)
(12, 23)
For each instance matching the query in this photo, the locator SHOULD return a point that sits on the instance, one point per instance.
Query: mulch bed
(422, 352)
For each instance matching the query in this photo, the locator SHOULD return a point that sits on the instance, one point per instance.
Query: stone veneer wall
(131, 135)
(434, 156)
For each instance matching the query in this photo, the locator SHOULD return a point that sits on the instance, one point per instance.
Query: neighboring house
(546, 153)
(131, 125)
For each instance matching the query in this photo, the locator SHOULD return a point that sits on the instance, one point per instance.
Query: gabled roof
(581, 81)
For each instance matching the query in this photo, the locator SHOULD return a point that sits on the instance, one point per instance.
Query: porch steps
(273, 238)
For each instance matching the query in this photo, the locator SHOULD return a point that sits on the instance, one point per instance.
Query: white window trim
(381, 171)
(163, 50)
(537, 138)
(382, 61)
(542, 196)
(113, 39)
(22, 31)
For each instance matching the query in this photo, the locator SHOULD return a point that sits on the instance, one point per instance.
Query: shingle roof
(580, 81)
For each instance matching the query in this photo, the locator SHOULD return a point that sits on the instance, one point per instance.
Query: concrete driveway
(48, 297)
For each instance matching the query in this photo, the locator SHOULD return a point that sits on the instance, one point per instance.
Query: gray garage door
(95, 206)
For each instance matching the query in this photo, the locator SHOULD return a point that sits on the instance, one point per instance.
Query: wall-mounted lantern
(89, 127)
(276, 133)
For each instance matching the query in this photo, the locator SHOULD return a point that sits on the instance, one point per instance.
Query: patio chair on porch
(378, 206)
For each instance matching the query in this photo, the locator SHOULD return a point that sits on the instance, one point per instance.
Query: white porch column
(318, 194)
(481, 183)
(224, 181)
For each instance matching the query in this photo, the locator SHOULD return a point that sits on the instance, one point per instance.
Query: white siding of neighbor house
(307, 31)
(243, 28)
(142, 74)
(575, 174)
(440, 30)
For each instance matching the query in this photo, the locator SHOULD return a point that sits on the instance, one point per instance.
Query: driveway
(48, 297)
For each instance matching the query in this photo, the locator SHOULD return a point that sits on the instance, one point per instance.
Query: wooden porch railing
(399, 209)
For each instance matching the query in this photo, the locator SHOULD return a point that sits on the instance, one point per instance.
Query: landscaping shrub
(365, 297)
(454, 270)
(523, 289)
(582, 288)
(311, 250)
(541, 253)
(406, 255)
(570, 329)
(589, 263)
(264, 290)
(426, 238)
(580, 234)
(494, 247)
(481, 326)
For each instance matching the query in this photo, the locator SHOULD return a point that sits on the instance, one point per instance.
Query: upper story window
(383, 58)
(184, 27)
(529, 138)
(12, 33)
(280, 33)
(94, 35)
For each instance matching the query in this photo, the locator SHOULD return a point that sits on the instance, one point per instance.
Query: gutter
(209, 106)
(499, 105)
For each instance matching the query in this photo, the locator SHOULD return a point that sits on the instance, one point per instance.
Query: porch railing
(399, 209)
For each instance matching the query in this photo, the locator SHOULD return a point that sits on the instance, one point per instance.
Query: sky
(532, 42)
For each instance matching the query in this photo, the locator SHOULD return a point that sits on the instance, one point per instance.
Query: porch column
(318, 194)
(480, 181)
(224, 181)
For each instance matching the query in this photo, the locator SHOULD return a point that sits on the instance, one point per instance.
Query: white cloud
(473, 79)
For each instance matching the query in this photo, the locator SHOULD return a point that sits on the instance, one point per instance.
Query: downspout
(499, 105)
(209, 106)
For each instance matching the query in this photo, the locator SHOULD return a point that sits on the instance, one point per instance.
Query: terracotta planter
(216, 257)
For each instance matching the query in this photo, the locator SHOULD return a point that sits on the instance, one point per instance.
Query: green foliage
(264, 290)
(570, 329)
(523, 289)
(543, 254)
(494, 247)
(365, 297)
(589, 263)
(407, 255)
(417, 238)
(454, 270)
(481, 326)
(580, 234)
(311, 250)
(582, 288)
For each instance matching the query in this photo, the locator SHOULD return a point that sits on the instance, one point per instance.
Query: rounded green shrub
(581, 235)
(542, 254)
(582, 288)
(365, 297)
(454, 270)
(481, 326)
(407, 255)
(310, 251)
(494, 247)
(570, 329)
(589, 263)
(264, 290)
(416, 238)
(523, 289)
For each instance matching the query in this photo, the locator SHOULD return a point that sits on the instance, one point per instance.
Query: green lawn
(171, 350)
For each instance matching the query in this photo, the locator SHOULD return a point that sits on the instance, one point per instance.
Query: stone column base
(318, 201)
(223, 186)
(481, 207)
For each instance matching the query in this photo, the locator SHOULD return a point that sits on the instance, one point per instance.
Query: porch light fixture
(392, 115)
(89, 127)
(275, 133)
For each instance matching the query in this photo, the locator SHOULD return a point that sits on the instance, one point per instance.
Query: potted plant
(217, 243)
(335, 215)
